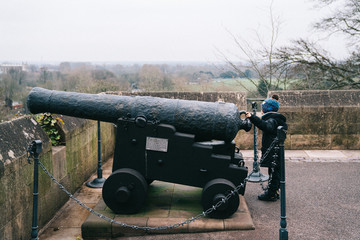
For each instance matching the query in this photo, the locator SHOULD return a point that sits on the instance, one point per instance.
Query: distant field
(225, 84)
(236, 83)
(233, 84)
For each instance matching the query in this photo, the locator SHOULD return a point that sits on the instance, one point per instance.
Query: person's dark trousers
(274, 183)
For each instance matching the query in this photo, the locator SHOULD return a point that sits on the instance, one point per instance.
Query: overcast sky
(145, 30)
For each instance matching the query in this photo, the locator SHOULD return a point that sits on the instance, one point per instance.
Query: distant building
(5, 68)
(16, 105)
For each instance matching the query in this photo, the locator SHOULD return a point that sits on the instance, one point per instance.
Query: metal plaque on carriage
(157, 144)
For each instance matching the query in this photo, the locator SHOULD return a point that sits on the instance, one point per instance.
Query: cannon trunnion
(147, 151)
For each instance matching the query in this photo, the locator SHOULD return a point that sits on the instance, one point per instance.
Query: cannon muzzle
(206, 120)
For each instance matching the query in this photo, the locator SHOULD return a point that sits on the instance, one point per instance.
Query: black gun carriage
(178, 141)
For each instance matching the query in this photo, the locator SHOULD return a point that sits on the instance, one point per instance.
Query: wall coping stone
(15, 136)
(318, 98)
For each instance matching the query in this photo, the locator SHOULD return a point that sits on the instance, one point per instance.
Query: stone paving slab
(166, 204)
(352, 154)
(331, 154)
(66, 224)
(313, 155)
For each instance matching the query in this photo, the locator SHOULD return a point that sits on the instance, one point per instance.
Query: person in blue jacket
(269, 123)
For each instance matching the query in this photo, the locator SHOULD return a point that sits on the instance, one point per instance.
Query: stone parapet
(71, 165)
(16, 176)
(321, 119)
(318, 98)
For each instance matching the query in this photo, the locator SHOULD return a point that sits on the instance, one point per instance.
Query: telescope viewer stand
(256, 175)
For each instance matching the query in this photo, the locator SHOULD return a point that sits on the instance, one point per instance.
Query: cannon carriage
(171, 140)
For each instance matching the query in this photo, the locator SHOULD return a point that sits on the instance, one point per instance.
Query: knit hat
(270, 105)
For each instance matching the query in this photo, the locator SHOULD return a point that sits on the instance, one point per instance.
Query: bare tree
(12, 85)
(322, 70)
(344, 20)
(317, 69)
(260, 58)
(152, 78)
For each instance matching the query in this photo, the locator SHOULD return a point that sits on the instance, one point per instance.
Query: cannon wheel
(124, 192)
(216, 190)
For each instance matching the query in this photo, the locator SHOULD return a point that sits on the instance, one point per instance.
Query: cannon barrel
(206, 120)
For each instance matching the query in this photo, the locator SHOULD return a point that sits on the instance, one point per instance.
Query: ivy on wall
(50, 126)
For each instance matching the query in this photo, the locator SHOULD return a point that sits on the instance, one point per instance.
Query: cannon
(178, 141)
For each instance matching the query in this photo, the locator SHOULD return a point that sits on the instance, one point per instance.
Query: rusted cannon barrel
(206, 120)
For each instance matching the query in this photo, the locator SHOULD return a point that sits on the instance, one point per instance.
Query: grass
(236, 83)
(225, 84)
(233, 84)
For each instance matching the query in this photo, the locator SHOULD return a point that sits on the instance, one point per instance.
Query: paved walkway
(314, 155)
(67, 222)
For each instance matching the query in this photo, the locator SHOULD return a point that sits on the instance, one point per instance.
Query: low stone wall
(16, 176)
(81, 137)
(71, 165)
(321, 119)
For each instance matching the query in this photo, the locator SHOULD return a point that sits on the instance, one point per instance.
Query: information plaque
(157, 144)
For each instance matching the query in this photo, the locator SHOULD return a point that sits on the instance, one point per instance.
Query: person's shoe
(266, 196)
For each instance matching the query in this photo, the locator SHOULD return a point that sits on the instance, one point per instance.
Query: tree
(151, 78)
(65, 67)
(247, 73)
(322, 70)
(228, 74)
(260, 57)
(44, 75)
(17, 75)
(11, 85)
(78, 79)
(344, 20)
(102, 74)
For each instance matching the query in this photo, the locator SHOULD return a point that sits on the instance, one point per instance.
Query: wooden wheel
(124, 192)
(216, 190)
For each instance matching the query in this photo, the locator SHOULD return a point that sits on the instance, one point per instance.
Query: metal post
(34, 150)
(256, 175)
(256, 166)
(283, 233)
(99, 181)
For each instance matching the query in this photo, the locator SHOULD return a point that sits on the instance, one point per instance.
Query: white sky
(144, 30)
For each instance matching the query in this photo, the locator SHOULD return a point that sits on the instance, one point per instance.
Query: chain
(272, 145)
(187, 221)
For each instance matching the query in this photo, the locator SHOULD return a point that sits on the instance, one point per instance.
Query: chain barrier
(176, 225)
(272, 145)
